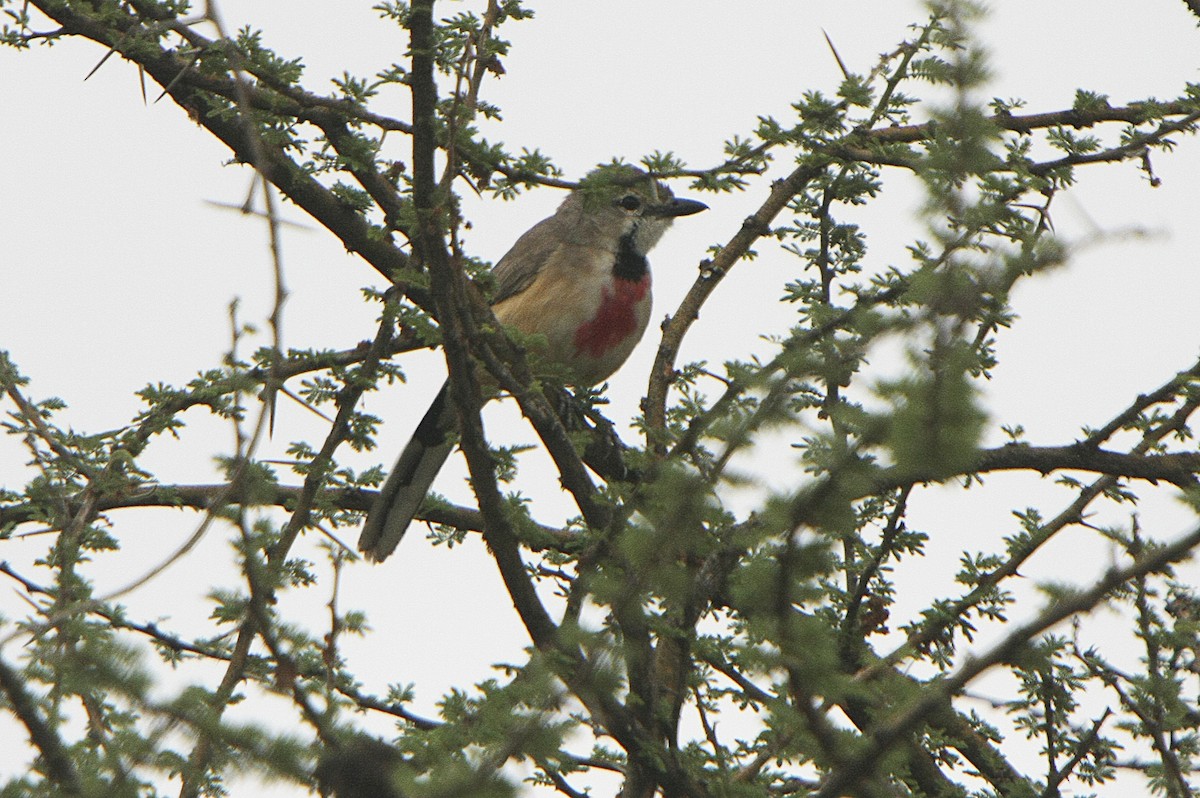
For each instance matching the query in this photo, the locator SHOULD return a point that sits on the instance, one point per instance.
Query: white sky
(117, 267)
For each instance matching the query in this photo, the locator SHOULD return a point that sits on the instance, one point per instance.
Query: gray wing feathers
(515, 272)
(409, 481)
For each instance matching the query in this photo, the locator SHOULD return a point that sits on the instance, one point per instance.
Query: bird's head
(619, 202)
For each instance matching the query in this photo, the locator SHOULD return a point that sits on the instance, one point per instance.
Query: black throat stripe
(631, 264)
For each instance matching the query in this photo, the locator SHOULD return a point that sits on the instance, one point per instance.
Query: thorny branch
(1015, 640)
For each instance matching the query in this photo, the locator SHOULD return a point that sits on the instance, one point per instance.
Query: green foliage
(937, 423)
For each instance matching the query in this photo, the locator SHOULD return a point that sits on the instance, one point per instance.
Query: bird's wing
(525, 259)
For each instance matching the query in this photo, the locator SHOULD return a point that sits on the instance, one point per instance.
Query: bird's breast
(590, 318)
(618, 311)
(618, 316)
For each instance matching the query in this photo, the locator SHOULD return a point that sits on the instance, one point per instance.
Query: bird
(579, 281)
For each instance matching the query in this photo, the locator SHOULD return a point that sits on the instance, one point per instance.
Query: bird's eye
(630, 202)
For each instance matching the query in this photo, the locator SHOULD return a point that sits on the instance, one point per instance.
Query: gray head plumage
(618, 200)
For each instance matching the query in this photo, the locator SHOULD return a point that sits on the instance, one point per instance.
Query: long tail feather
(410, 479)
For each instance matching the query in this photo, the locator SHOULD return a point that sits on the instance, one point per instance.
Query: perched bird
(578, 279)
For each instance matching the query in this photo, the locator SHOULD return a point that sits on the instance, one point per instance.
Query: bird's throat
(630, 264)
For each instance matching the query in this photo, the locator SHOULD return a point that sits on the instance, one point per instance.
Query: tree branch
(712, 272)
(937, 694)
(59, 766)
(201, 497)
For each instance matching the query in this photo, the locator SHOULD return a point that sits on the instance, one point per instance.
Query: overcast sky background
(118, 267)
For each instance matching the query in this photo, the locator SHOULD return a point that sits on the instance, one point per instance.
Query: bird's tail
(410, 479)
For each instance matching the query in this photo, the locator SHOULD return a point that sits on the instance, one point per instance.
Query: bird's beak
(678, 207)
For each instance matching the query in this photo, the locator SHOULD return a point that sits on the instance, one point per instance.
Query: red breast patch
(615, 319)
